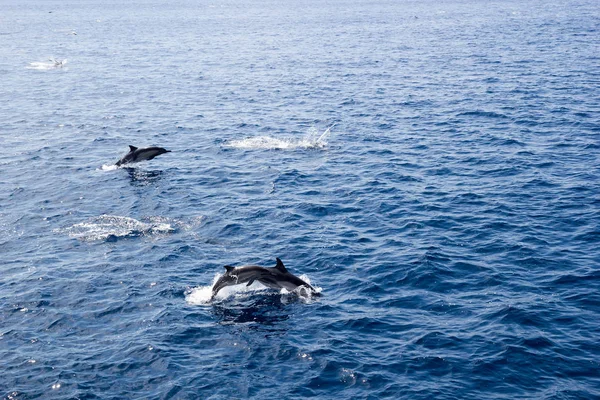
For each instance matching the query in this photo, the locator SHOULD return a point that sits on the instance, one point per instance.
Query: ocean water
(431, 167)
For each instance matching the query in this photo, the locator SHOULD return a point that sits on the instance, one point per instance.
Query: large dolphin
(276, 277)
(136, 155)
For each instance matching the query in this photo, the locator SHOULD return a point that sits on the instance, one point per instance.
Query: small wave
(313, 140)
(112, 227)
(47, 65)
(201, 295)
(480, 113)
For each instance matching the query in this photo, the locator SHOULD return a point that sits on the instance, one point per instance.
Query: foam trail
(106, 227)
(50, 64)
(310, 141)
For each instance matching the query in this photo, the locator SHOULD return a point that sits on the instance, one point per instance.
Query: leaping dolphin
(277, 277)
(136, 155)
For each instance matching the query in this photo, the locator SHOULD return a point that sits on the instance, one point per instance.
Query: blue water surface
(431, 167)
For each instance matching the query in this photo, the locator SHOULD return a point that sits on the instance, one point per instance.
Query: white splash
(46, 65)
(115, 226)
(107, 167)
(313, 140)
(302, 292)
(201, 295)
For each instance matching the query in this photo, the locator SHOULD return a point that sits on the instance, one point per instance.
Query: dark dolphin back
(136, 154)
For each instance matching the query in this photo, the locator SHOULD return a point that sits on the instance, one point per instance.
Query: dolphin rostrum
(276, 277)
(136, 155)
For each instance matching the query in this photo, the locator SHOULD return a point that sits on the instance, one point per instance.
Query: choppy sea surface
(433, 168)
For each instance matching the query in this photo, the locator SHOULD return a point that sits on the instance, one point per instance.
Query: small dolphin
(276, 277)
(58, 63)
(136, 155)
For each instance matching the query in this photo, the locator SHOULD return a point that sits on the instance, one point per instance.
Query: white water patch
(107, 227)
(301, 292)
(313, 140)
(70, 32)
(202, 295)
(199, 295)
(47, 65)
(106, 167)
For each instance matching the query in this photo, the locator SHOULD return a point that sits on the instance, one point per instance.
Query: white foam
(302, 292)
(112, 167)
(46, 65)
(202, 295)
(106, 226)
(313, 140)
(199, 296)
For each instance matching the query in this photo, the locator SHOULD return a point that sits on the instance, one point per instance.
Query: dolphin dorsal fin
(280, 266)
(132, 148)
(229, 268)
